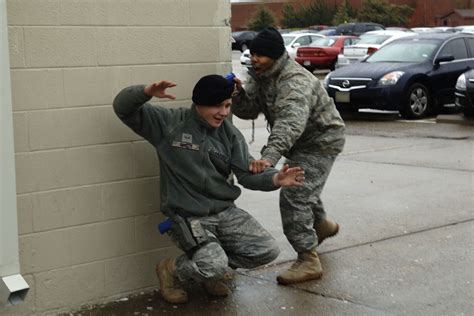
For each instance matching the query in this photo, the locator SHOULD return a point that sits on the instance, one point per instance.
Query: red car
(323, 52)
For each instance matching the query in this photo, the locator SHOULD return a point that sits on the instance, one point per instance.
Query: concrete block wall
(88, 187)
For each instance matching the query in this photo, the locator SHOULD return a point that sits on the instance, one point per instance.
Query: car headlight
(461, 83)
(391, 78)
(326, 81)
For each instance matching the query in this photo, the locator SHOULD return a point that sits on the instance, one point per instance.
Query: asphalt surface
(403, 193)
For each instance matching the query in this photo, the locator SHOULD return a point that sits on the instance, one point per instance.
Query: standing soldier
(306, 128)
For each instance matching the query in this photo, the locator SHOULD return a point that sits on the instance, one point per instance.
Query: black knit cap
(268, 42)
(212, 90)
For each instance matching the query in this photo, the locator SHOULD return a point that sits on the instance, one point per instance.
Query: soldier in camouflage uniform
(306, 128)
(199, 149)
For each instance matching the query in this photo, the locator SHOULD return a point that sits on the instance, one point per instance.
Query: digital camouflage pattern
(301, 207)
(306, 128)
(300, 113)
(237, 241)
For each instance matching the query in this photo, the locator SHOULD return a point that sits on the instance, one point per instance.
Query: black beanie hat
(268, 42)
(212, 90)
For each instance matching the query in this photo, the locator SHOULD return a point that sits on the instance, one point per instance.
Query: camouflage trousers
(237, 241)
(301, 207)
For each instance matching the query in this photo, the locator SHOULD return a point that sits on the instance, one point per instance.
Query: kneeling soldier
(199, 150)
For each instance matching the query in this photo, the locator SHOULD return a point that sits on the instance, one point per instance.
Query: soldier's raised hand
(158, 89)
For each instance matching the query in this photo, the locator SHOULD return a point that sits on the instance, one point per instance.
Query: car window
(470, 44)
(411, 52)
(343, 29)
(288, 39)
(359, 28)
(348, 41)
(325, 41)
(373, 39)
(456, 47)
(303, 40)
(314, 38)
(374, 28)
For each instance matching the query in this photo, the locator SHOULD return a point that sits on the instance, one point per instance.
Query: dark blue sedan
(413, 75)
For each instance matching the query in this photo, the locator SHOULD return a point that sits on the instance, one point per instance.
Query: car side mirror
(296, 45)
(443, 58)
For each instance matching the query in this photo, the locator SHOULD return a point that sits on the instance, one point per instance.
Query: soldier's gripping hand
(257, 166)
(238, 86)
(288, 177)
(158, 89)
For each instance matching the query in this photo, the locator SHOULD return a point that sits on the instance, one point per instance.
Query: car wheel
(244, 47)
(417, 102)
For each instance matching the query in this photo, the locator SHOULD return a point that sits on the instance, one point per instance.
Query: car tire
(244, 47)
(418, 102)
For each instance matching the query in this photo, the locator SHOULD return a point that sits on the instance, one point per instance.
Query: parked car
(331, 30)
(291, 40)
(323, 52)
(422, 29)
(304, 31)
(242, 39)
(369, 43)
(413, 75)
(294, 41)
(444, 29)
(398, 28)
(465, 29)
(465, 93)
(357, 29)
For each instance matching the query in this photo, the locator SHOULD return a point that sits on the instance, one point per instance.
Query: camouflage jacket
(301, 115)
(196, 160)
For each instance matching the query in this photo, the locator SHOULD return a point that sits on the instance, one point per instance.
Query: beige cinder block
(88, 86)
(130, 198)
(25, 214)
(76, 127)
(60, 47)
(66, 207)
(34, 89)
(66, 287)
(33, 12)
(54, 169)
(147, 235)
(20, 131)
(16, 47)
(44, 251)
(95, 242)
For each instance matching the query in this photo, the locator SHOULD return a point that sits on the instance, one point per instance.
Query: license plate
(343, 97)
(307, 63)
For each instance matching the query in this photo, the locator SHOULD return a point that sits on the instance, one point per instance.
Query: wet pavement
(403, 193)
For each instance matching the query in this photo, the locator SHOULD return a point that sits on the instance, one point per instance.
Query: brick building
(427, 12)
(457, 17)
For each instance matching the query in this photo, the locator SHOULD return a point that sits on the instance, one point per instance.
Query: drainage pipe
(13, 287)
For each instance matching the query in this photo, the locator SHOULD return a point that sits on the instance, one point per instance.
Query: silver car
(369, 43)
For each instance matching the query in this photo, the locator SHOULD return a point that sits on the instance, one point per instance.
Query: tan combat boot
(325, 229)
(170, 288)
(307, 267)
(216, 288)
